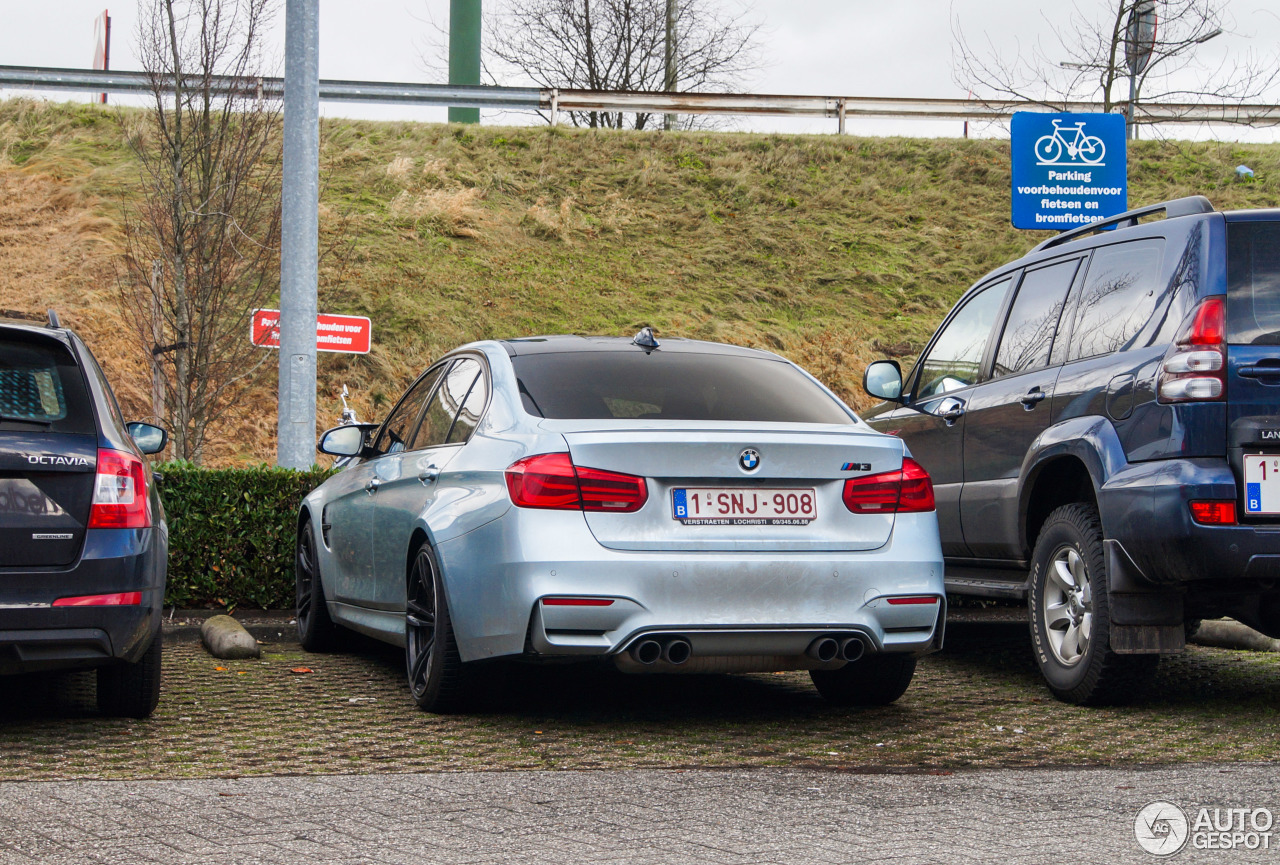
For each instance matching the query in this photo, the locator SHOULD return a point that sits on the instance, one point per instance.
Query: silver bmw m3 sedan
(680, 506)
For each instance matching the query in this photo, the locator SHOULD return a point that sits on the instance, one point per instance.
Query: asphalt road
(641, 816)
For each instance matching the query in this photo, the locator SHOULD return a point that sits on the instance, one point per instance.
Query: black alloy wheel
(316, 630)
(438, 680)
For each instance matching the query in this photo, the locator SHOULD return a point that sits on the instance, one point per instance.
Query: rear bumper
(35, 635)
(498, 576)
(1153, 542)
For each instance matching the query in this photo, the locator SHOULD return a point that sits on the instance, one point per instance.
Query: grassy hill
(830, 250)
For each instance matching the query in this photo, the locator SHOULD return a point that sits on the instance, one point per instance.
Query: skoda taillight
(1195, 367)
(907, 490)
(119, 492)
(552, 481)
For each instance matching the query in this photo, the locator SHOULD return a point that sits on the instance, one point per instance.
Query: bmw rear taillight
(907, 490)
(1195, 367)
(120, 492)
(553, 481)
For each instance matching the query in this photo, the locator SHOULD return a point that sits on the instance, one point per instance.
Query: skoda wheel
(131, 690)
(316, 630)
(1070, 614)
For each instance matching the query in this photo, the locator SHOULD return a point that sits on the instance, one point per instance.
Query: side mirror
(345, 441)
(150, 439)
(883, 380)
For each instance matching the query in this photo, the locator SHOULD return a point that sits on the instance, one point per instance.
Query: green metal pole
(464, 53)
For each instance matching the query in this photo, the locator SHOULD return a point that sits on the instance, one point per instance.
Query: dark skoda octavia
(83, 542)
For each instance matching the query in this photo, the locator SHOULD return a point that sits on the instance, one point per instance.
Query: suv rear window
(41, 386)
(670, 386)
(1253, 283)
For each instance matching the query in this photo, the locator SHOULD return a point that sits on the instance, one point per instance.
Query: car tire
(438, 680)
(316, 630)
(1069, 609)
(876, 680)
(132, 690)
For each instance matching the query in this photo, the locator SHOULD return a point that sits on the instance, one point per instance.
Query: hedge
(231, 533)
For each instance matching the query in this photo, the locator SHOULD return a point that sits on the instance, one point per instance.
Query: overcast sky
(828, 47)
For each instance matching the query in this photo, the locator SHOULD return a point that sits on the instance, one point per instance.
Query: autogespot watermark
(1163, 829)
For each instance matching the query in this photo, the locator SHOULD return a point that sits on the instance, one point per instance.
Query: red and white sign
(346, 333)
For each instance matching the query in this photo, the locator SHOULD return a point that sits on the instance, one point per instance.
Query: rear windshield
(41, 388)
(1253, 283)
(671, 386)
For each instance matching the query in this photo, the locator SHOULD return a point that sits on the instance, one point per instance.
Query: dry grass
(817, 247)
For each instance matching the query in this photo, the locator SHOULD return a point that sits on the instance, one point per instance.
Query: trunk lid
(46, 488)
(701, 465)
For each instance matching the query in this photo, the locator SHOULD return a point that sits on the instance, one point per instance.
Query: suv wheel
(1070, 614)
(131, 690)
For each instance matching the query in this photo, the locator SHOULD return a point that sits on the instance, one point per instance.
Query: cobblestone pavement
(642, 816)
(981, 703)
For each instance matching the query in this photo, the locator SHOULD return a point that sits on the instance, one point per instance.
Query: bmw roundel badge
(749, 459)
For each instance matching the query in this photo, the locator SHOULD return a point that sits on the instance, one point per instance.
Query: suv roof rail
(1189, 206)
(54, 321)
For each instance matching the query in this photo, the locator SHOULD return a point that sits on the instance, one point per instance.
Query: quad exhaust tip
(837, 648)
(674, 650)
(852, 648)
(677, 651)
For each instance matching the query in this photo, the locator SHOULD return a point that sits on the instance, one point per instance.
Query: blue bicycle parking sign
(1068, 169)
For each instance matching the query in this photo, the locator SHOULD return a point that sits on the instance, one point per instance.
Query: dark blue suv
(1101, 420)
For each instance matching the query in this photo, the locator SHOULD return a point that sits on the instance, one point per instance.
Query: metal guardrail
(555, 101)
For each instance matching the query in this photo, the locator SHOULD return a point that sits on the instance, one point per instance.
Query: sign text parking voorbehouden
(1068, 169)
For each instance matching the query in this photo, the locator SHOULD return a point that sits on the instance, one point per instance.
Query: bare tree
(620, 45)
(202, 246)
(1084, 60)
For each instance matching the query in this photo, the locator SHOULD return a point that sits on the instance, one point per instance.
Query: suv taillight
(1195, 367)
(120, 492)
(908, 490)
(553, 481)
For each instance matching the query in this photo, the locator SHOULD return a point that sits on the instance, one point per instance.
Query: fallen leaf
(220, 669)
(298, 670)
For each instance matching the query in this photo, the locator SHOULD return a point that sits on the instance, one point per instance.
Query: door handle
(1034, 396)
(429, 475)
(372, 486)
(1258, 371)
(953, 414)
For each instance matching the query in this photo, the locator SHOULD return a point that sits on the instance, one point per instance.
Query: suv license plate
(725, 506)
(1262, 484)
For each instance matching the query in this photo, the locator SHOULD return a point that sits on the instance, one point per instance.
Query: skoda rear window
(41, 388)
(1253, 283)
(671, 386)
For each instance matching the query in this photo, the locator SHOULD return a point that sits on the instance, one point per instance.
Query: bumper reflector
(1218, 513)
(914, 599)
(118, 599)
(576, 602)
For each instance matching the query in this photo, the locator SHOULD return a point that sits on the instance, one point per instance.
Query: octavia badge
(749, 459)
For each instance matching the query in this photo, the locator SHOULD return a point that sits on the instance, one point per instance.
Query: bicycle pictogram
(1078, 148)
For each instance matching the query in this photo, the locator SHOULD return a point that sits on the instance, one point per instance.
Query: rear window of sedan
(593, 385)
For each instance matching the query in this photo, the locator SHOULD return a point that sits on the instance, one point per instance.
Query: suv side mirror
(346, 440)
(883, 380)
(150, 439)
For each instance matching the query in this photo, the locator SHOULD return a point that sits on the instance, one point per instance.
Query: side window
(444, 406)
(955, 359)
(1118, 297)
(469, 415)
(399, 426)
(1028, 332)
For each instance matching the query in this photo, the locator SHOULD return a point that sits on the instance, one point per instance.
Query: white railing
(556, 101)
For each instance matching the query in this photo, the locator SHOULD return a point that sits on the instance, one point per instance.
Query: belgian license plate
(1262, 483)
(724, 506)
